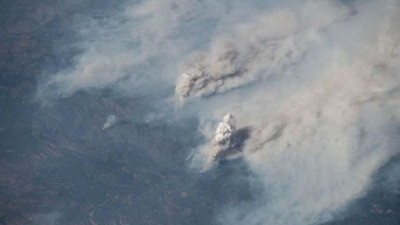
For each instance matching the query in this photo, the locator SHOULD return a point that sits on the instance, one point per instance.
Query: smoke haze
(317, 82)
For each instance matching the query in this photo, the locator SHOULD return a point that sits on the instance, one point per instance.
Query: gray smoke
(255, 50)
(323, 129)
(131, 49)
(317, 149)
(325, 111)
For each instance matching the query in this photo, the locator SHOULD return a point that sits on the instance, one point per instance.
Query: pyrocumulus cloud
(316, 82)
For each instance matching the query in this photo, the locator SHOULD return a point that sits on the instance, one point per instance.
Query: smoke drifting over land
(317, 81)
(266, 45)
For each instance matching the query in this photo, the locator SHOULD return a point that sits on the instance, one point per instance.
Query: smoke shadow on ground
(238, 139)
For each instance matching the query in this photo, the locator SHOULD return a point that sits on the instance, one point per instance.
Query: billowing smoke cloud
(223, 139)
(317, 149)
(224, 132)
(318, 85)
(266, 45)
(326, 125)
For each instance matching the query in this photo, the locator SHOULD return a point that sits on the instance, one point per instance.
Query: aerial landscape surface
(200, 112)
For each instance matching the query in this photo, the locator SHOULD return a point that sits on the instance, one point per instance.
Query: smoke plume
(110, 122)
(255, 50)
(316, 81)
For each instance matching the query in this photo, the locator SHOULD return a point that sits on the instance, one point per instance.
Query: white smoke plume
(110, 122)
(224, 132)
(257, 49)
(223, 139)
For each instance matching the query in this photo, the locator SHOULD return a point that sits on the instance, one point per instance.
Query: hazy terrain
(316, 84)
